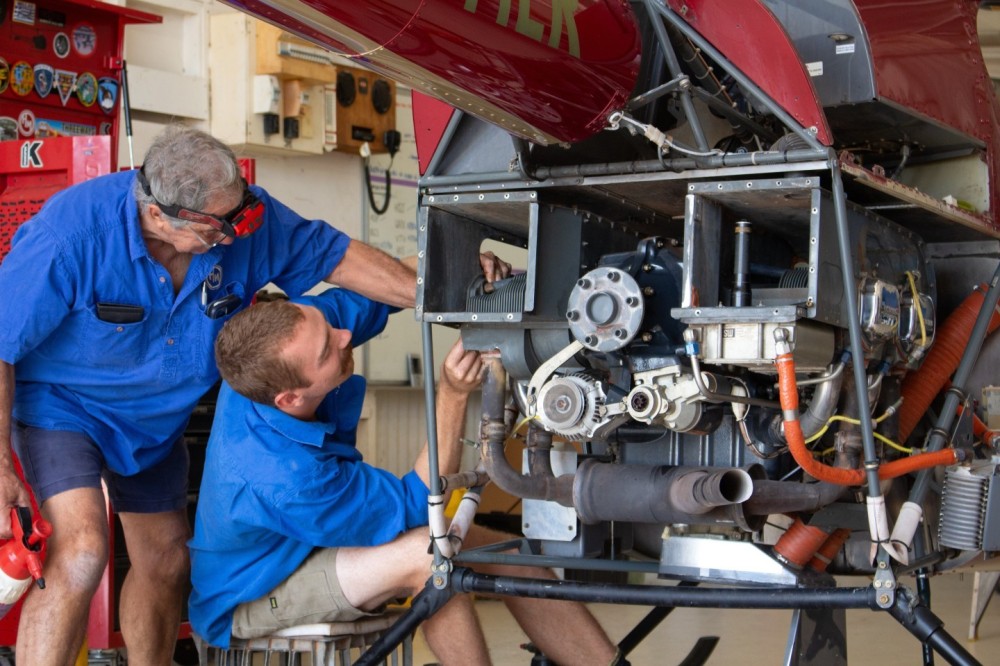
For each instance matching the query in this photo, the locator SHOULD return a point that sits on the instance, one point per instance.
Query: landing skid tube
(906, 609)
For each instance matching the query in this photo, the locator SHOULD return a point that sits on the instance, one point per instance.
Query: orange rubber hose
(979, 429)
(789, 398)
(800, 542)
(829, 549)
(922, 386)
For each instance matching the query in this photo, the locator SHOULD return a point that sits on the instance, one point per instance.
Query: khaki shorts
(310, 595)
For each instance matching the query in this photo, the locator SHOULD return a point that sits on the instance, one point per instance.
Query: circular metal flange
(605, 309)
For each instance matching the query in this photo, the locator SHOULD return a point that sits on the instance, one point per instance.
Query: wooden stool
(332, 644)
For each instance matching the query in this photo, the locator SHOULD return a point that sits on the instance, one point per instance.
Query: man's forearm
(450, 413)
(6, 407)
(375, 274)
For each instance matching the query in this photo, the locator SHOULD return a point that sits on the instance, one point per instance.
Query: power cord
(391, 140)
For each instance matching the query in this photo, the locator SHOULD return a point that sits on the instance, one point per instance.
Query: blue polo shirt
(132, 386)
(274, 487)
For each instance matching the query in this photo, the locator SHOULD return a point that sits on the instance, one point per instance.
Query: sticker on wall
(45, 78)
(8, 128)
(45, 129)
(60, 44)
(4, 75)
(64, 84)
(22, 78)
(107, 93)
(86, 89)
(26, 123)
(53, 17)
(84, 39)
(24, 12)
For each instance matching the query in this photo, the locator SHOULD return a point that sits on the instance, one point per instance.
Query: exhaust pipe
(657, 493)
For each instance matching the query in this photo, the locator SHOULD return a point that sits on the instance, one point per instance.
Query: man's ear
(156, 215)
(288, 400)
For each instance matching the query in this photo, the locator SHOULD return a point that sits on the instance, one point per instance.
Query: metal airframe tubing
(748, 86)
(762, 157)
(675, 70)
(854, 329)
(659, 91)
(466, 580)
(431, 412)
(732, 114)
(758, 158)
(965, 366)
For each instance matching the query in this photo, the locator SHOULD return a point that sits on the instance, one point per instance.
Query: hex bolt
(648, 291)
(647, 337)
(647, 268)
(883, 599)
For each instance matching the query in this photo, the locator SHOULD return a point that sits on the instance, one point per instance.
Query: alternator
(570, 406)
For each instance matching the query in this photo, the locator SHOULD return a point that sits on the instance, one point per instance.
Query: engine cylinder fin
(506, 297)
(963, 509)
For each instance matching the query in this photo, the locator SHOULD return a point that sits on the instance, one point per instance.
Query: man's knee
(170, 563)
(419, 559)
(77, 563)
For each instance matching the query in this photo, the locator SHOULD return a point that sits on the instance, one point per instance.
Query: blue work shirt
(131, 387)
(275, 488)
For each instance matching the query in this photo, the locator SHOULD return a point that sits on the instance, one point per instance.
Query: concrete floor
(758, 637)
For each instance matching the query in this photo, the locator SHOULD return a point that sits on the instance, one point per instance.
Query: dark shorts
(55, 461)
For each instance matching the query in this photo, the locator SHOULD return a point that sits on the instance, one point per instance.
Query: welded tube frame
(430, 409)
(745, 83)
(854, 328)
(673, 64)
(906, 608)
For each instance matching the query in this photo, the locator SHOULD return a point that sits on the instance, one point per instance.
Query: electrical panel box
(265, 95)
(60, 68)
(273, 92)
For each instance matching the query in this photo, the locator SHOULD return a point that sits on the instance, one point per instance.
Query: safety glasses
(240, 222)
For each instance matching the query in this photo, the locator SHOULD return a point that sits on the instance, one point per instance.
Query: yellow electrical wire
(885, 440)
(919, 307)
(520, 425)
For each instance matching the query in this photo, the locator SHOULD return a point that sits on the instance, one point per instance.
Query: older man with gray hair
(113, 295)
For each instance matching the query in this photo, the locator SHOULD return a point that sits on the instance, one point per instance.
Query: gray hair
(186, 167)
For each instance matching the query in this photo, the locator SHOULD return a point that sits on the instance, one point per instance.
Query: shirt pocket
(113, 344)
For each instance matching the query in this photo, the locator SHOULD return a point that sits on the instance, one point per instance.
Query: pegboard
(32, 170)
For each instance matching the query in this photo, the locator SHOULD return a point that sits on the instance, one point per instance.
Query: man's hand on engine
(494, 268)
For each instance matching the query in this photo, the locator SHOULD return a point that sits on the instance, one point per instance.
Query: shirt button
(170, 341)
(120, 329)
(162, 279)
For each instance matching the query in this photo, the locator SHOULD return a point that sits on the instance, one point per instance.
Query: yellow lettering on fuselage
(563, 13)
